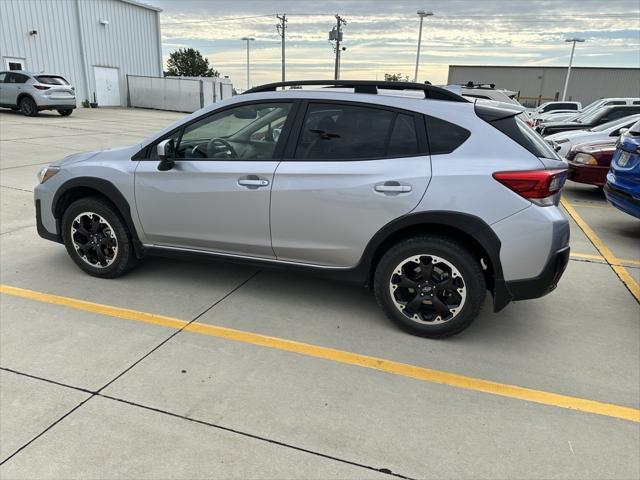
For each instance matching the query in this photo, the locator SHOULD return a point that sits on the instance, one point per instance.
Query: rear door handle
(252, 181)
(392, 187)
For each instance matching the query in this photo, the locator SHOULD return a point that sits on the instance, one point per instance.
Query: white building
(94, 44)
(543, 83)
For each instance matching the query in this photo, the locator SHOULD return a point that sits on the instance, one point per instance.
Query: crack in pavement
(189, 419)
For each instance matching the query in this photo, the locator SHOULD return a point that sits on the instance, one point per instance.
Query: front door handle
(392, 187)
(252, 181)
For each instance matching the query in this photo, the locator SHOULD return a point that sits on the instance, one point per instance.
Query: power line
(225, 19)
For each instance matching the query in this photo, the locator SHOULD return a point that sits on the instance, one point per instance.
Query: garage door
(107, 86)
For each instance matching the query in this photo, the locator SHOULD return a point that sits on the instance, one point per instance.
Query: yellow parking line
(607, 254)
(340, 356)
(593, 256)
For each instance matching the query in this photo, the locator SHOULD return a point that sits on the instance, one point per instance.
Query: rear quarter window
(523, 135)
(444, 137)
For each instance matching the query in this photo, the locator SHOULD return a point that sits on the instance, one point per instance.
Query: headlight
(47, 172)
(585, 159)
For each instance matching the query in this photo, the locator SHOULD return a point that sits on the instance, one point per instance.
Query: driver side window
(245, 132)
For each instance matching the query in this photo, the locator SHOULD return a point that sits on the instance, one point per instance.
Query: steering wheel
(215, 146)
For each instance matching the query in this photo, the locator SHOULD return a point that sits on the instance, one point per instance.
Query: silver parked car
(429, 201)
(33, 92)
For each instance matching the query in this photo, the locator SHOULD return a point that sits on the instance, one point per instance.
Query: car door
(216, 197)
(3, 76)
(349, 169)
(12, 86)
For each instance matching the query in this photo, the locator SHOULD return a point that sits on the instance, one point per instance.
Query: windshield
(587, 117)
(613, 124)
(635, 129)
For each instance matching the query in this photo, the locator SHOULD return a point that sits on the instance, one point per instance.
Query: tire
(65, 112)
(113, 236)
(443, 305)
(28, 107)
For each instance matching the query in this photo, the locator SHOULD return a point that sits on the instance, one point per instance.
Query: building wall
(70, 30)
(585, 84)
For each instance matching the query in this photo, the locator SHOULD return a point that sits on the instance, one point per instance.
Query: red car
(589, 162)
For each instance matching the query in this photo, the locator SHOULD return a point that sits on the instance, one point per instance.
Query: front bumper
(42, 230)
(622, 200)
(544, 283)
(589, 174)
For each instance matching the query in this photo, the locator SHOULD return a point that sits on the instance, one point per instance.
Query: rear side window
(2, 77)
(343, 132)
(16, 78)
(519, 132)
(51, 80)
(444, 137)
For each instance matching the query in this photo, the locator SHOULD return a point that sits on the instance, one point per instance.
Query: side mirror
(165, 151)
(622, 131)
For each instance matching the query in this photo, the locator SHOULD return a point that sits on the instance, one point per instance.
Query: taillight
(41, 87)
(539, 186)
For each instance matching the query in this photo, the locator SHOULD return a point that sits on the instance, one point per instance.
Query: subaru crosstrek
(429, 201)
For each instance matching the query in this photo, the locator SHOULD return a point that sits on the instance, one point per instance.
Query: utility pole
(281, 27)
(573, 47)
(248, 39)
(336, 35)
(421, 14)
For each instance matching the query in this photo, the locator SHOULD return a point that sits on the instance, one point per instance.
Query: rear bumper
(622, 200)
(589, 174)
(57, 106)
(544, 283)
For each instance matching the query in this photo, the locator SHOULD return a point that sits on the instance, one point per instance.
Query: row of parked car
(601, 144)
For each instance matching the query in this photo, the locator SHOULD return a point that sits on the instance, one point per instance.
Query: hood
(126, 151)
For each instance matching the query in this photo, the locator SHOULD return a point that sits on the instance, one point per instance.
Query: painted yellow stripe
(340, 356)
(593, 256)
(607, 254)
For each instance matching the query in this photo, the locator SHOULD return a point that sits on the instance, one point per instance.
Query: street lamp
(248, 39)
(573, 47)
(421, 14)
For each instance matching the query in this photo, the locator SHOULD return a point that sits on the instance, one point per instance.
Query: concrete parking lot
(211, 370)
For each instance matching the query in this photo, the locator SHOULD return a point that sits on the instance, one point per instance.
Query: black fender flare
(105, 188)
(470, 225)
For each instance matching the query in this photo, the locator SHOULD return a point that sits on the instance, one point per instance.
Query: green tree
(395, 77)
(189, 62)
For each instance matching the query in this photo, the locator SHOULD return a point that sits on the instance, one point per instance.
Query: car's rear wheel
(97, 239)
(65, 112)
(28, 107)
(430, 286)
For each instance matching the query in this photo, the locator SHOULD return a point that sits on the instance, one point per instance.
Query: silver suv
(33, 92)
(429, 201)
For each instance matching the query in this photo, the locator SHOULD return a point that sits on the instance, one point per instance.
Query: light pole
(573, 47)
(248, 39)
(421, 14)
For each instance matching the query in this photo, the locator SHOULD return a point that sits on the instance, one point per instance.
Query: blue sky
(381, 36)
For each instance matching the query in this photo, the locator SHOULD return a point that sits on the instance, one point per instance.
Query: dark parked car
(589, 120)
(589, 162)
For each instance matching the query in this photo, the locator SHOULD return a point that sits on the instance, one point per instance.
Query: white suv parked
(33, 92)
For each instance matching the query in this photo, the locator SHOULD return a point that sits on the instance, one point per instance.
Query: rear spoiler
(491, 113)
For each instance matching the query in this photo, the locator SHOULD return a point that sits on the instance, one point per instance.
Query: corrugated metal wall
(585, 84)
(66, 28)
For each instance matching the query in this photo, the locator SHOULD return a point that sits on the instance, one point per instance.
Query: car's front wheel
(65, 112)
(97, 239)
(430, 286)
(28, 107)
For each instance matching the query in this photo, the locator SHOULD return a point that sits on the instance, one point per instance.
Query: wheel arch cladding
(23, 95)
(472, 231)
(82, 187)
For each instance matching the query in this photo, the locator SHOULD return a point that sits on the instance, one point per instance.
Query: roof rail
(367, 86)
